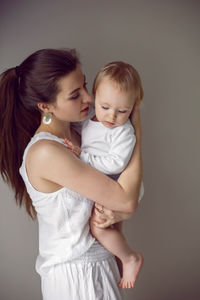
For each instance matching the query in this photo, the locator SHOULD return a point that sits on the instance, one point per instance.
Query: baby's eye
(122, 111)
(105, 107)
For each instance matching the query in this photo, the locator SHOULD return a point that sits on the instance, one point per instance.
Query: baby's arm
(121, 148)
(105, 159)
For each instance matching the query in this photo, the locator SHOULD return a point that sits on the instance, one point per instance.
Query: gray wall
(161, 39)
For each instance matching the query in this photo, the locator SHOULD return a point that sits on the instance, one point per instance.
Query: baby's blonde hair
(124, 75)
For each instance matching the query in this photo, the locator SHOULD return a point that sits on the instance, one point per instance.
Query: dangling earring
(47, 118)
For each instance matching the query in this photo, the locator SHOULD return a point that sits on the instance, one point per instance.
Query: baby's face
(112, 105)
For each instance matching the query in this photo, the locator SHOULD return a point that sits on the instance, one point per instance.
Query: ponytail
(17, 126)
(21, 89)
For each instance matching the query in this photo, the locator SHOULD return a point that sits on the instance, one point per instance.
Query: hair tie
(17, 71)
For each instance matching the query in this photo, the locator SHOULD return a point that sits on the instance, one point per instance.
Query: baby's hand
(75, 149)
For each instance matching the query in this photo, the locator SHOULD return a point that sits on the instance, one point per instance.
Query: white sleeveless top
(63, 217)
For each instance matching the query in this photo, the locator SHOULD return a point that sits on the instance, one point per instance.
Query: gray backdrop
(161, 39)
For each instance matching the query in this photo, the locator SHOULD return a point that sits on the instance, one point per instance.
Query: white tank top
(63, 218)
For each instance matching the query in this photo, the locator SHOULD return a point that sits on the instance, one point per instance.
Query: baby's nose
(112, 116)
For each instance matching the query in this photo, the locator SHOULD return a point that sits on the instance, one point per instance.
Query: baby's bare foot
(131, 269)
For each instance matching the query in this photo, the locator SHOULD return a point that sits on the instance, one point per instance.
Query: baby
(108, 141)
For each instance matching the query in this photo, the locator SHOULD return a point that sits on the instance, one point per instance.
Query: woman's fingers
(109, 213)
(104, 224)
(99, 214)
(99, 206)
(103, 217)
(106, 212)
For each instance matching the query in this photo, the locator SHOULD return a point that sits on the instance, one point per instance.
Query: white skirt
(93, 276)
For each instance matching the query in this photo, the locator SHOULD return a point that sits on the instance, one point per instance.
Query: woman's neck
(61, 130)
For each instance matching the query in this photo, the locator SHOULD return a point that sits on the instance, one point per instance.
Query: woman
(38, 100)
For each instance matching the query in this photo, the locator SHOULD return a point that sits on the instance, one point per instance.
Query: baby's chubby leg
(114, 241)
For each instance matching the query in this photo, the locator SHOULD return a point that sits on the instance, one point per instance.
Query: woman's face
(72, 101)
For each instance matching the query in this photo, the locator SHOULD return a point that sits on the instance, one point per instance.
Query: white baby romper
(71, 263)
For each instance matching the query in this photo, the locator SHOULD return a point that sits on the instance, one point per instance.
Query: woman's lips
(85, 109)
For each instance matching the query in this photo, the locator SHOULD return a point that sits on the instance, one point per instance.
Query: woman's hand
(75, 149)
(135, 119)
(134, 113)
(104, 217)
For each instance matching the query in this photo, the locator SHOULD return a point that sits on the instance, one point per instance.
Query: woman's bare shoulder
(44, 144)
(45, 149)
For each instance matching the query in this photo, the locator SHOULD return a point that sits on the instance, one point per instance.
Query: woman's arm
(131, 177)
(52, 162)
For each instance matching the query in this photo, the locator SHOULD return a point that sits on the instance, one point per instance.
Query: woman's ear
(44, 107)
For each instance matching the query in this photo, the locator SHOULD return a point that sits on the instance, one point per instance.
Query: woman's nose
(87, 97)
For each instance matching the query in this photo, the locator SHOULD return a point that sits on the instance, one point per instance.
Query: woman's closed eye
(75, 96)
(105, 107)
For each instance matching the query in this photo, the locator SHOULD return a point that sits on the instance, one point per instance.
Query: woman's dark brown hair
(21, 89)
